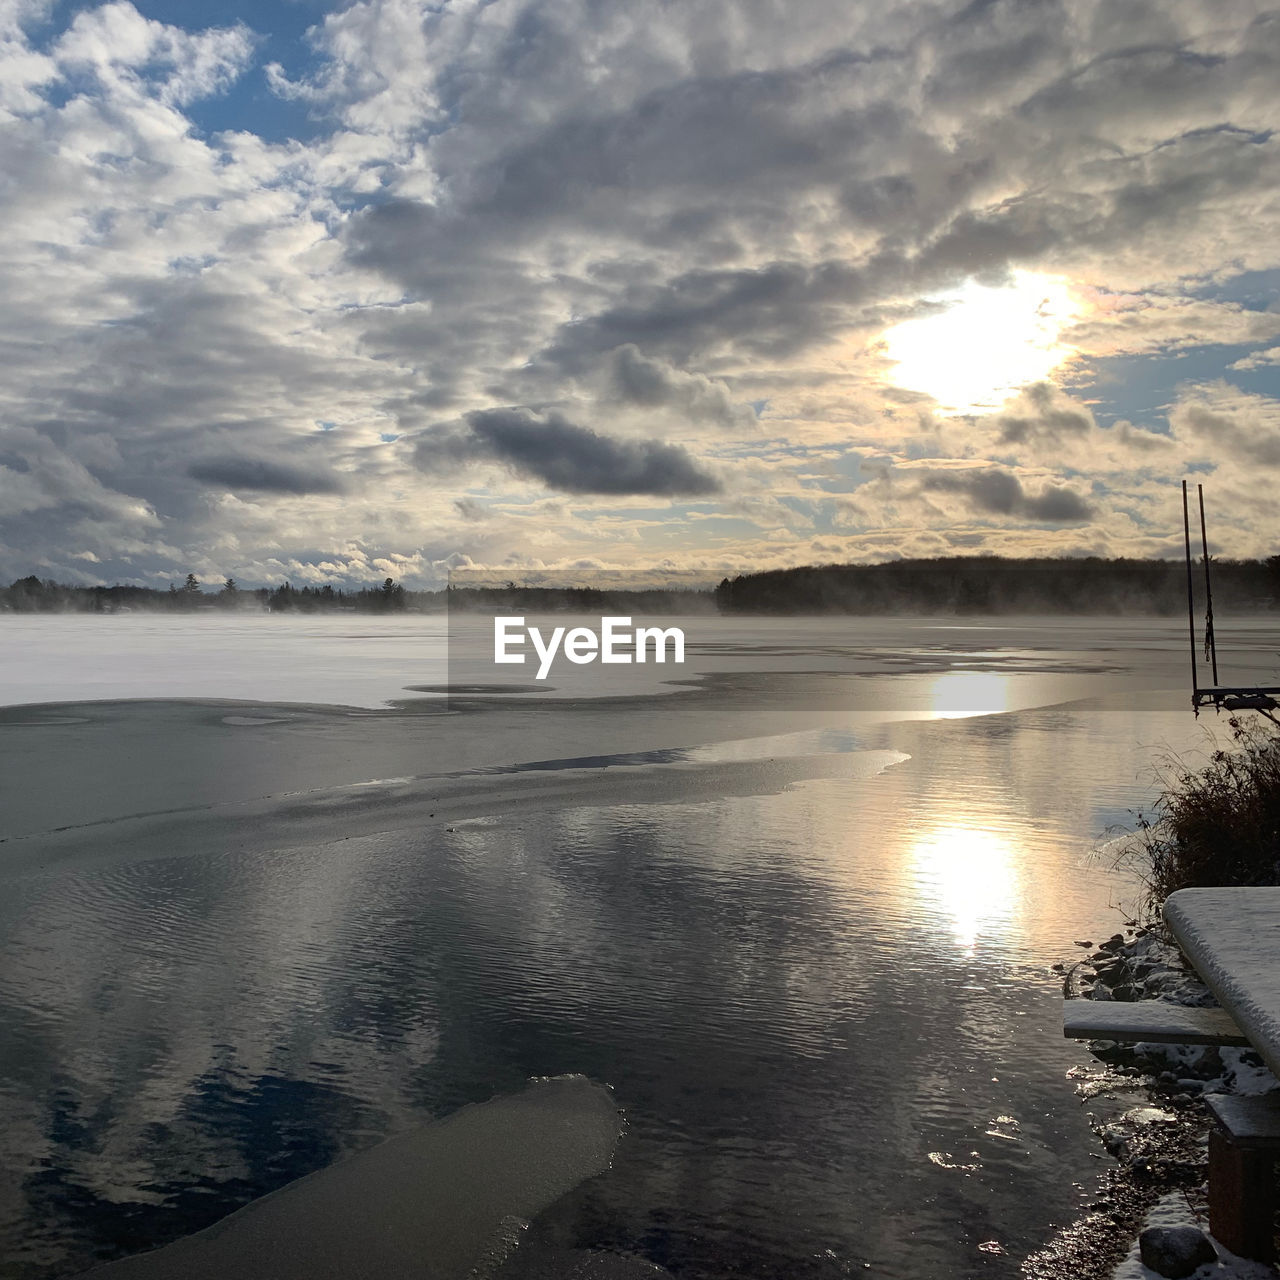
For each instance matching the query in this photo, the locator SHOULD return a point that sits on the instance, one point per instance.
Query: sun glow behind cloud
(986, 343)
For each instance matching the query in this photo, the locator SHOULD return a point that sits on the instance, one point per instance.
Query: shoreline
(1159, 1144)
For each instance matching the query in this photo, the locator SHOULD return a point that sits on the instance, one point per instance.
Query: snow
(277, 658)
(1173, 1211)
(1154, 1019)
(1232, 936)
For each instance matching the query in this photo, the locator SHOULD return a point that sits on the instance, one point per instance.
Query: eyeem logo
(614, 643)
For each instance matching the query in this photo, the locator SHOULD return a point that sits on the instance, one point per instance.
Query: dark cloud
(777, 309)
(470, 509)
(262, 476)
(998, 492)
(1045, 417)
(636, 379)
(568, 457)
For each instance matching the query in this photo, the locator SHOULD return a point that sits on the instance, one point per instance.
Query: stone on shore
(1176, 1252)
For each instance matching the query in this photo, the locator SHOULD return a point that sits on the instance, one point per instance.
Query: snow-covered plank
(1232, 937)
(1252, 1120)
(1158, 1021)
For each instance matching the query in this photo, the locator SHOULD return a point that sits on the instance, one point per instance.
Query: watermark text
(615, 642)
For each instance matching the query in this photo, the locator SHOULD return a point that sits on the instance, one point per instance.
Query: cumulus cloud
(1258, 360)
(129, 54)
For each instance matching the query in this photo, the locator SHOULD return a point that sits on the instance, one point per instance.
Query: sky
(331, 292)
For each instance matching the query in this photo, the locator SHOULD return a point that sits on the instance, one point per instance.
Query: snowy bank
(1174, 1211)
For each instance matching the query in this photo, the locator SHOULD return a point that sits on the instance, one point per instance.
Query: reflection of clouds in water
(221, 1022)
(969, 874)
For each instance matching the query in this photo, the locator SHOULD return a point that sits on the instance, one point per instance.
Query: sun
(986, 343)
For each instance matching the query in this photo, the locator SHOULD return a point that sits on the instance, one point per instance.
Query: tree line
(996, 585)
(37, 595)
(951, 585)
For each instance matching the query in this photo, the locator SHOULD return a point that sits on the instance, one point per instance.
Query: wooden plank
(1252, 1121)
(1158, 1021)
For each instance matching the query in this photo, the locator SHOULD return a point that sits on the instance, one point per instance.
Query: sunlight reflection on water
(969, 693)
(969, 872)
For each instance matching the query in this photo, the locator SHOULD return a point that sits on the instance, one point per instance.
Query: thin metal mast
(1191, 616)
(1210, 640)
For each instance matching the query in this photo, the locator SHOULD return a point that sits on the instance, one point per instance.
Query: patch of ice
(434, 1204)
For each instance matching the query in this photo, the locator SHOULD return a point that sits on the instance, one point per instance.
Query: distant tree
(28, 595)
(229, 587)
(191, 586)
(1273, 571)
(392, 594)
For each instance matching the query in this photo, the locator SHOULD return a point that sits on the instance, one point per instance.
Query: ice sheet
(445, 1202)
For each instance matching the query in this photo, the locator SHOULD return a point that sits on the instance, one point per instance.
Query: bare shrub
(1215, 825)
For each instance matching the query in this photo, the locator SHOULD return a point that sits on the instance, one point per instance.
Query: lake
(264, 902)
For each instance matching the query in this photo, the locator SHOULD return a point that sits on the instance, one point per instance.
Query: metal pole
(1191, 615)
(1210, 640)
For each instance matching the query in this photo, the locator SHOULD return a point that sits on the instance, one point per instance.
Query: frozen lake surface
(351, 660)
(373, 661)
(801, 916)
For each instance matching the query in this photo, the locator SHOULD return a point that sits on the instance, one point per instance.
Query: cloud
(997, 492)
(689, 234)
(1258, 360)
(130, 54)
(1228, 428)
(260, 475)
(636, 379)
(1044, 415)
(571, 458)
(1143, 325)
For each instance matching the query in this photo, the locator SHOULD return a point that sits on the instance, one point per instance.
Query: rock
(1115, 942)
(1125, 991)
(1175, 1252)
